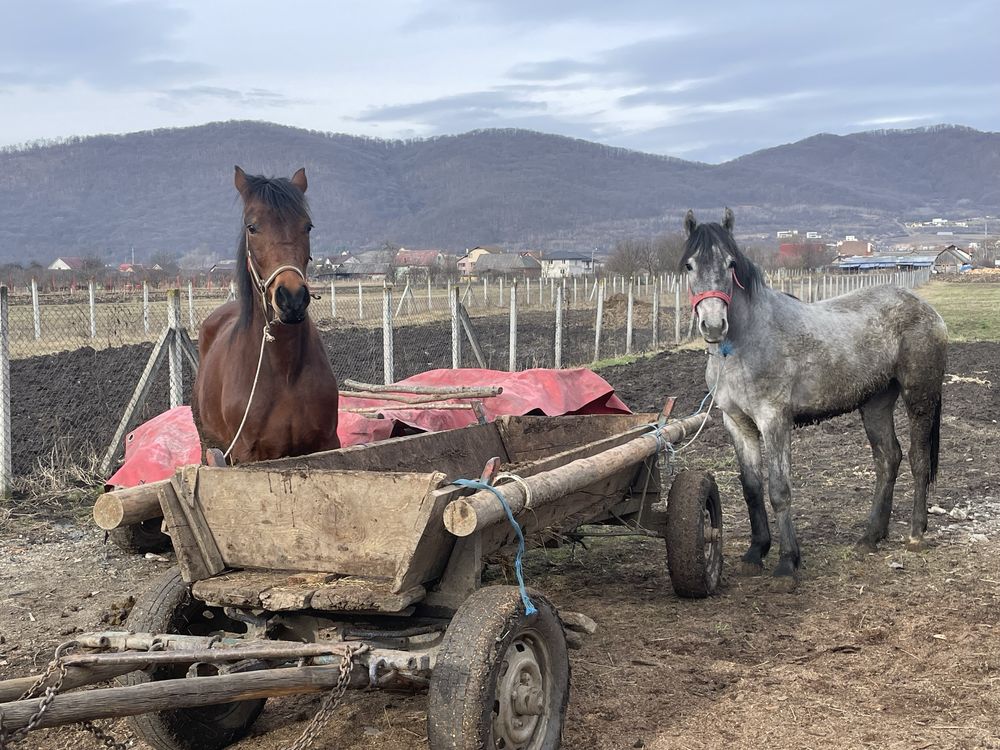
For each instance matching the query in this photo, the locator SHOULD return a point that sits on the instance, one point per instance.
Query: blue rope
(529, 608)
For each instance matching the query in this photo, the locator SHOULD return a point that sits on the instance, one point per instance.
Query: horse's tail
(935, 438)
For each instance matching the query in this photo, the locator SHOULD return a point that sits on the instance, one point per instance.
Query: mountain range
(171, 190)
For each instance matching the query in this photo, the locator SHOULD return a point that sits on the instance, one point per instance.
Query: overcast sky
(706, 81)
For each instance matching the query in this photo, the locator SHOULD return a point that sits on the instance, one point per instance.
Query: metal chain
(106, 739)
(330, 702)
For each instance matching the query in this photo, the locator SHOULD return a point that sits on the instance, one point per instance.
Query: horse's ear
(299, 179)
(728, 220)
(240, 180)
(689, 223)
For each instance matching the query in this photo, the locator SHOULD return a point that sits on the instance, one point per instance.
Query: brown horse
(265, 388)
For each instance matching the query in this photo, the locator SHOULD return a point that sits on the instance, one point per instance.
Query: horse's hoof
(865, 546)
(785, 584)
(751, 568)
(916, 544)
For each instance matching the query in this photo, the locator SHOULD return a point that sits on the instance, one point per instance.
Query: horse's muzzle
(713, 319)
(291, 304)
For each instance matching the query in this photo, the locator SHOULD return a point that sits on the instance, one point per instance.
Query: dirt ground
(890, 650)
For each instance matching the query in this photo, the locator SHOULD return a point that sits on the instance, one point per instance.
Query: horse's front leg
(778, 446)
(746, 443)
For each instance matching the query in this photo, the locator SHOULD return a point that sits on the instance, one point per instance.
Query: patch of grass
(971, 310)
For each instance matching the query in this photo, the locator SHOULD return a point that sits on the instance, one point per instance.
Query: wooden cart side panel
(197, 555)
(345, 522)
(433, 549)
(454, 452)
(533, 439)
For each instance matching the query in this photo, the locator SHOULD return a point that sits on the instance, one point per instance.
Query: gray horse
(776, 362)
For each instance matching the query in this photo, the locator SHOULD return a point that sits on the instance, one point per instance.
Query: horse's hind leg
(746, 442)
(925, 428)
(877, 415)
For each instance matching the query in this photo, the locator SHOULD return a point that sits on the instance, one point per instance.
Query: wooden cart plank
(347, 522)
(453, 452)
(279, 591)
(532, 438)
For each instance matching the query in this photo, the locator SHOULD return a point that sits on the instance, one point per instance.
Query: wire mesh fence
(70, 361)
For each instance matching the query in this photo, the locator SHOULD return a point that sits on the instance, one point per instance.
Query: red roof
(417, 257)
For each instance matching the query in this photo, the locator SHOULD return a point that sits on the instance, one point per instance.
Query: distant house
(66, 264)
(227, 266)
(508, 264)
(467, 263)
(360, 270)
(562, 263)
(132, 268)
(409, 262)
(952, 260)
(852, 246)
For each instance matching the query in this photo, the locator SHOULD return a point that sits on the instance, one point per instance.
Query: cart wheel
(501, 680)
(694, 534)
(168, 607)
(140, 537)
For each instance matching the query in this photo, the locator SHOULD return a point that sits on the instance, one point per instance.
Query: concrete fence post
(600, 320)
(456, 330)
(628, 315)
(92, 297)
(176, 365)
(145, 307)
(6, 464)
(387, 348)
(557, 355)
(36, 311)
(333, 300)
(656, 312)
(191, 324)
(361, 304)
(512, 347)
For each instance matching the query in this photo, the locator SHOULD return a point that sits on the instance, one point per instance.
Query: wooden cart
(362, 567)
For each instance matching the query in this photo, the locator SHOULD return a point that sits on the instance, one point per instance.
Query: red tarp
(156, 448)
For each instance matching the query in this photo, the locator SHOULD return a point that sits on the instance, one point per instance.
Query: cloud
(108, 45)
(475, 105)
(178, 98)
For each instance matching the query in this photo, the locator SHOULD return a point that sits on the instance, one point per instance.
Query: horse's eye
(252, 228)
(689, 267)
(732, 264)
(309, 227)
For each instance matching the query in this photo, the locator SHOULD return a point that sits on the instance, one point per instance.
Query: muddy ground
(890, 650)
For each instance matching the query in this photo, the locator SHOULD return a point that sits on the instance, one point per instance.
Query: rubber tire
(464, 680)
(163, 610)
(691, 573)
(139, 538)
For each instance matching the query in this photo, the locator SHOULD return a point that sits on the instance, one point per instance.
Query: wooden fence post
(174, 361)
(36, 310)
(500, 295)
(387, 348)
(557, 357)
(361, 309)
(512, 347)
(333, 299)
(92, 295)
(6, 465)
(145, 307)
(430, 301)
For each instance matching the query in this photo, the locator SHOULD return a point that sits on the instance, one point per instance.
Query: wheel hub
(520, 697)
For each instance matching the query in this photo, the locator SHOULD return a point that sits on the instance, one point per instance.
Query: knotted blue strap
(529, 608)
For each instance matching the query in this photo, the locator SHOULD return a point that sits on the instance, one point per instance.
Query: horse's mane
(286, 202)
(705, 236)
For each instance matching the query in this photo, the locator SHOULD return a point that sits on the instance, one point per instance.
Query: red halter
(718, 293)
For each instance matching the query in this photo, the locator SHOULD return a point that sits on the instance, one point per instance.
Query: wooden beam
(468, 515)
(129, 506)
